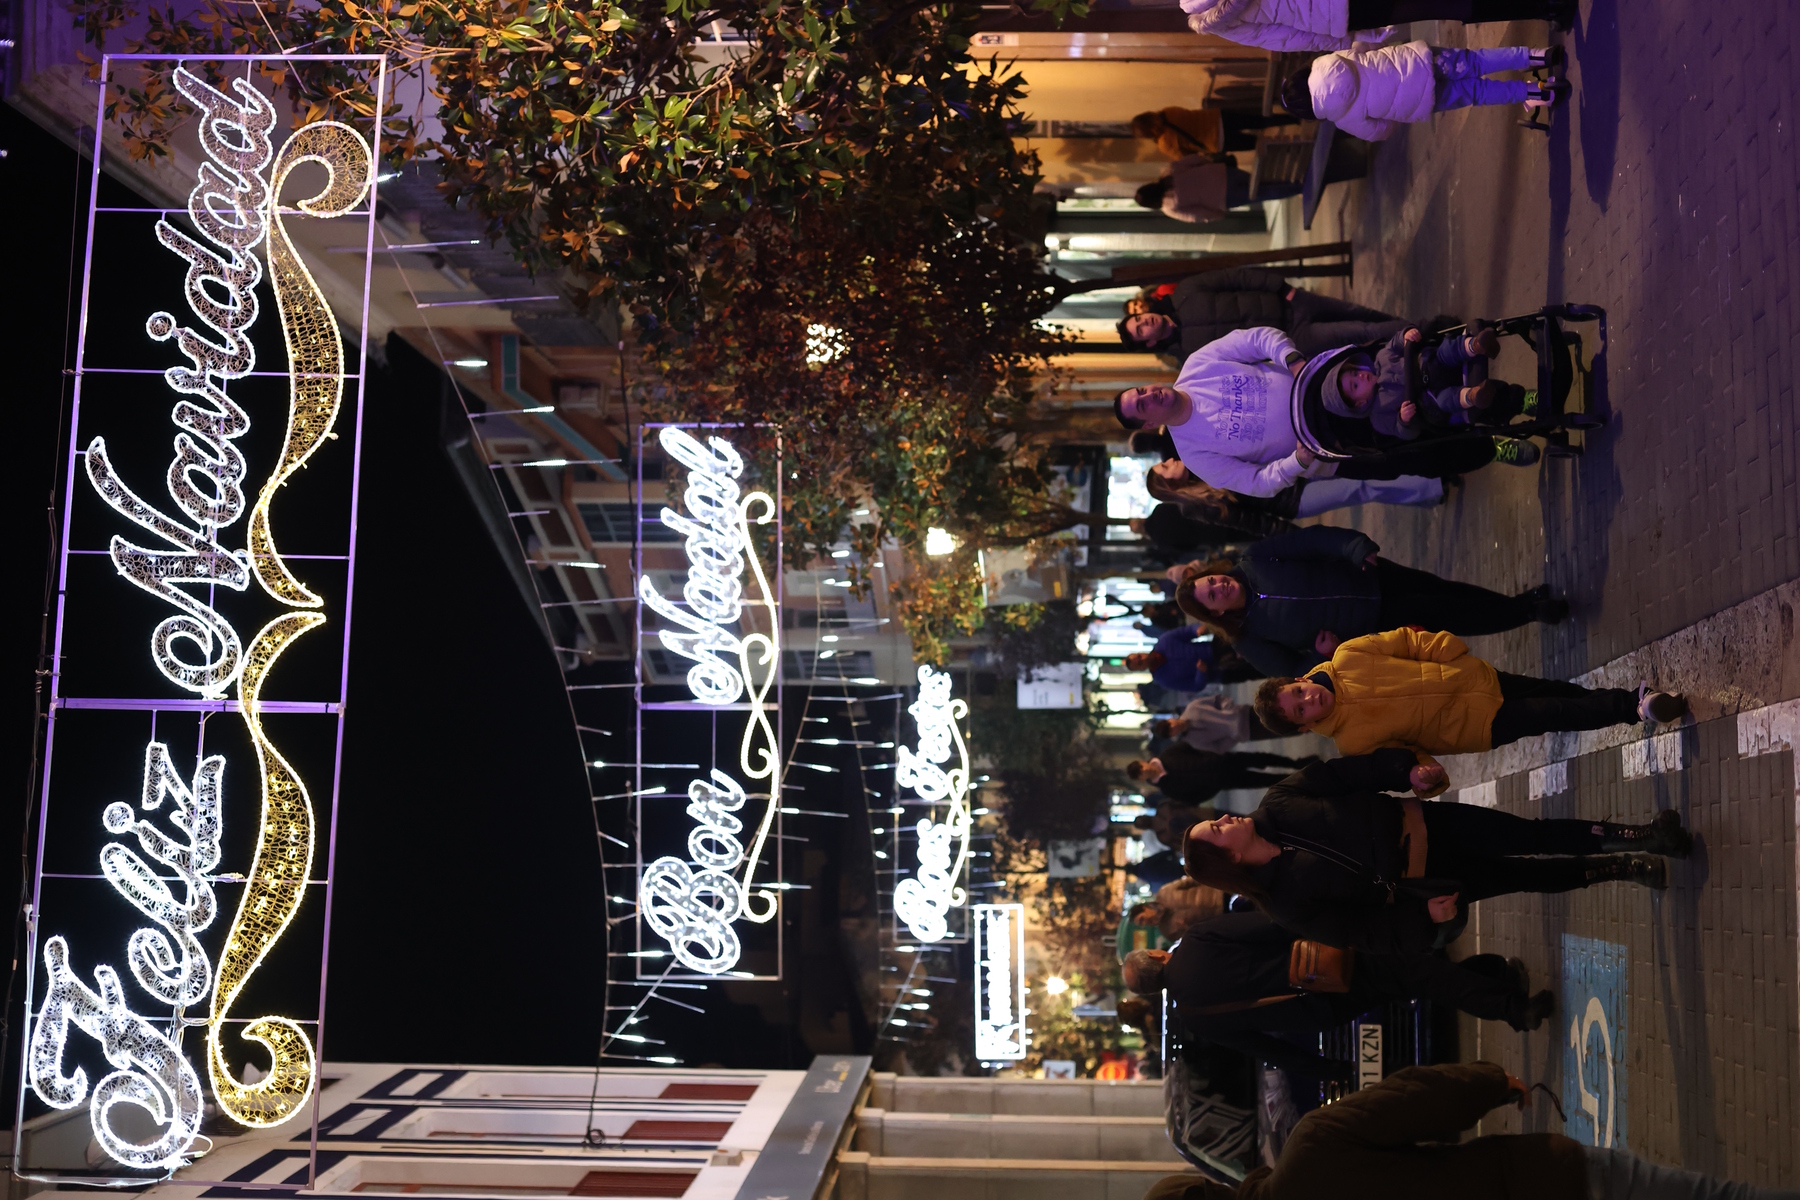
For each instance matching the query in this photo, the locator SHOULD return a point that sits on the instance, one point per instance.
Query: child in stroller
(1412, 388)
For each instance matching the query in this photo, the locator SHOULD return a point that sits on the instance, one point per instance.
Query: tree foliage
(826, 227)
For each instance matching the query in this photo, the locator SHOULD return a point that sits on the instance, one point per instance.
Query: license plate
(1368, 1055)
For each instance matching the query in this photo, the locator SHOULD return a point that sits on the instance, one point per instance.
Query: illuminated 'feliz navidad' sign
(169, 837)
(694, 904)
(923, 900)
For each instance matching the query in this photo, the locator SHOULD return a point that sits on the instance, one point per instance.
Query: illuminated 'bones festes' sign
(923, 900)
(694, 904)
(169, 837)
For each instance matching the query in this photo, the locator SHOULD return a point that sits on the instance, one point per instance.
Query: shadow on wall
(1598, 81)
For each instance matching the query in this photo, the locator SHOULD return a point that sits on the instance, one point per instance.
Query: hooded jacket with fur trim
(1366, 93)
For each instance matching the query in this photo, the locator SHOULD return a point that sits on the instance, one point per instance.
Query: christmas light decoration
(315, 351)
(923, 900)
(999, 981)
(151, 1073)
(692, 905)
(272, 893)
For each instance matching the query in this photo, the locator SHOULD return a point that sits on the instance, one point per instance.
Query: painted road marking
(1594, 1071)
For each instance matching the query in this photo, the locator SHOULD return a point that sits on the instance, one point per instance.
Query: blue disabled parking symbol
(1593, 1010)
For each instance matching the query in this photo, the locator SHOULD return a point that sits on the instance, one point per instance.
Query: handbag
(1312, 967)
(1316, 967)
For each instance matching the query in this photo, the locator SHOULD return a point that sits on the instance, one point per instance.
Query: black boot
(1519, 976)
(1663, 835)
(1526, 1015)
(1628, 868)
(1546, 608)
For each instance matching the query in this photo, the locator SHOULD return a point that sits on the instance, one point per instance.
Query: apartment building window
(843, 664)
(611, 522)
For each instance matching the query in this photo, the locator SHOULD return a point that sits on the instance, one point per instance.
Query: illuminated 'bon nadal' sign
(234, 207)
(693, 904)
(923, 900)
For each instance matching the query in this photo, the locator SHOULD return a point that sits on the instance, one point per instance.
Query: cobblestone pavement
(1665, 193)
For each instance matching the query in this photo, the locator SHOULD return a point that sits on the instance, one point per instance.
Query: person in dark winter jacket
(1292, 599)
(1231, 972)
(1173, 533)
(1367, 1146)
(1189, 776)
(1329, 855)
(1209, 305)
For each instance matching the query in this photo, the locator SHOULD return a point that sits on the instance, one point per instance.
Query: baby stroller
(1558, 349)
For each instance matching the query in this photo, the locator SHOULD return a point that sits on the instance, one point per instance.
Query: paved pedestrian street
(1666, 193)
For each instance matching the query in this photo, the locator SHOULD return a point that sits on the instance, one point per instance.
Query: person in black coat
(1210, 305)
(1189, 776)
(1329, 855)
(1229, 974)
(1292, 599)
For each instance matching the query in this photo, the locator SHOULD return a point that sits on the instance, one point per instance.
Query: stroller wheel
(1584, 421)
(1583, 312)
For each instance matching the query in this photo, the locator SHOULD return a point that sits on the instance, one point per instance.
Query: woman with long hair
(1170, 482)
(1332, 857)
(1291, 600)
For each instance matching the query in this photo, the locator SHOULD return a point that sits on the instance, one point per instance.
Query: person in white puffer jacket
(1300, 25)
(1366, 93)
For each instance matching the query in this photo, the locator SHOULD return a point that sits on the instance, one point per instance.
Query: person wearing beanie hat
(1368, 1146)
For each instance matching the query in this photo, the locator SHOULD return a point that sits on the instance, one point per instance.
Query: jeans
(1622, 1175)
(1318, 323)
(1410, 597)
(1531, 706)
(1459, 76)
(1323, 495)
(1479, 847)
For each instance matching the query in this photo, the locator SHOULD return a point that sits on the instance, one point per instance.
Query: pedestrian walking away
(1403, 1139)
(1334, 858)
(1298, 25)
(1292, 600)
(1368, 93)
(1426, 692)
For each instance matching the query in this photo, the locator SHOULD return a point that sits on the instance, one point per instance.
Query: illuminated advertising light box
(936, 771)
(1000, 1031)
(181, 899)
(709, 632)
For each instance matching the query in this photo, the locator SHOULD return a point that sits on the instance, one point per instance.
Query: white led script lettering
(228, 206)
(693, 904)
(234, 209)
(923, 900)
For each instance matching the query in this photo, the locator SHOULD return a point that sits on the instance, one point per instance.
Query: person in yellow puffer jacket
(1426, 692)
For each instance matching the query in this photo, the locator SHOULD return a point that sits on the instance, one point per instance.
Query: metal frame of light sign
(171, 836)
(923, 901)
(1000, 1030)
(692, 903)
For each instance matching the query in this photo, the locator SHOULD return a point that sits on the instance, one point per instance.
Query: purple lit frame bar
(641, 705)
(334, 709)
